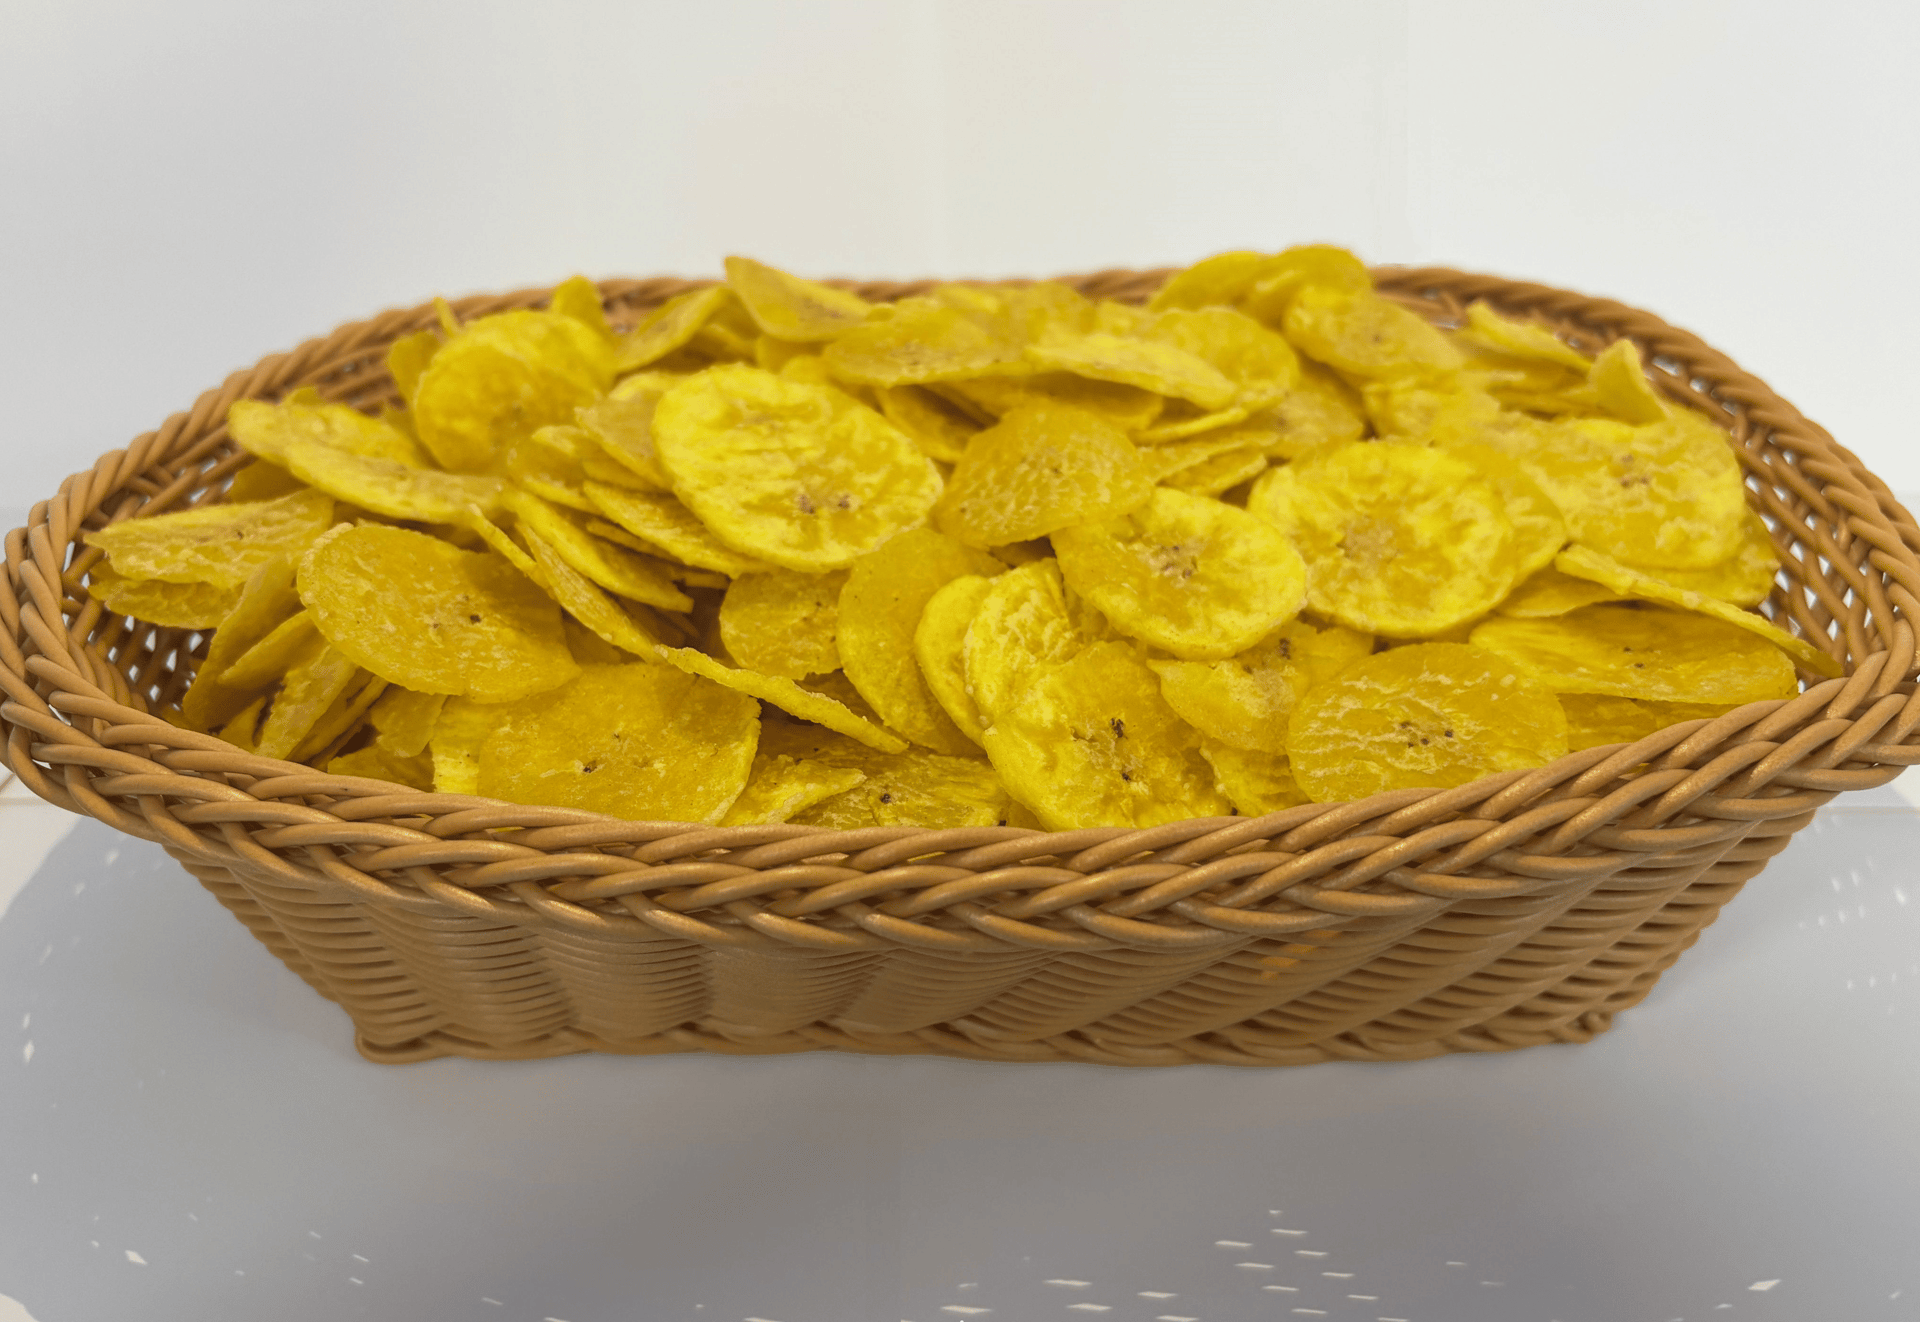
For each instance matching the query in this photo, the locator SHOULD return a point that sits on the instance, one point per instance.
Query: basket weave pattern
(1524, 908)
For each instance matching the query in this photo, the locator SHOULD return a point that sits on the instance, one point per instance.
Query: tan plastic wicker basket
(1524, 908)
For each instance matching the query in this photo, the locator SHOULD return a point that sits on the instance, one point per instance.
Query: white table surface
(188, 1134)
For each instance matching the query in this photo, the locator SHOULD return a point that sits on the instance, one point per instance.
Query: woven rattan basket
(1524, 908)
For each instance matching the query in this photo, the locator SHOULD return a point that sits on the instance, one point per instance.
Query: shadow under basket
(1524, 908)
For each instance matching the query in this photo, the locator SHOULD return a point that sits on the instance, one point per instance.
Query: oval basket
(1524, 908)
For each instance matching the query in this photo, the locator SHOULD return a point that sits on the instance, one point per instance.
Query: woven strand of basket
(80, 685)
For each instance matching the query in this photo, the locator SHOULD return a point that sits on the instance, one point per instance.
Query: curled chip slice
(1256, 783)
(1538, 530)
(909, 788)
(467, 623)
(1631, 652)
(940, 648)
(880, 607)
(1219, 280)
(393, 489)
(1156, 365)
(407, 359)
(603, 616)
(179, 605)
(1164, 462)
(1548, 592)
(613, 567)
(220, 545)
(579, 298)
(268, 429)
(1245, 700)
(940, 430)
(309, 689)
(1620, 385)
(1595, 720)
(781, 786)
(789, 308)
(267, 661)
(1090, 742)
(1041, 468)
(1584, 562)
(1282, 276)
(641, 741)
(1321, 410)
(1398, 540)
(1260, 363)
(455, 747)
(1434, 714)
(341, 720)
(504, 377)
(1745, 578)
(1194, 576)
(797, 475)
(1023, 623)
(261, 480)
(1219, 473)
(404, 720)
(1521, 339)
(662, 522)
(1664, 496)
(789, 697)
(993, 397)
(623, 427)
(376, 763)
(265, 602)
(1365, 335)
(779, 622)
(924, 340)
(670, 326)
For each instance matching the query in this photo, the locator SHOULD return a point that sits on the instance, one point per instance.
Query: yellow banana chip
(267, 429)
(341, 720)
(940, 648)
(1620, 385)
(789, 308)
(1434, 714)
(661, 521)
(180, 605)
(579, 298)
(1584, 562)
(306, 693)
(923, 340)
(1256, 783)
(1745, 579)
(940, 430)
(1630, 652)
(1040, 469)
(1321, 410)
(1282, 276)
(641, 741)
(470, 624)
(880, 608)
(1548, 592)
(800, 476)
(261, 480)
(993, 397)
(669, 327)
(1196, 577)
(1245, 700)
(265, 602)
(780, 786)
(396, 490)
(404, 720)
(407, 360)
(377, 763)
(909, 788)
(1219, 280)
(605, 618)
(504, 377)
(613, 567)
(267, 661)
(455, 747)
(1398, 540)
(1538, 530)
(1365, 335)
(1023, 623)
(1595, 720)
(1090, 742)
(783, 623)
(219, 545)
(789, 697)
(1521, 339)
(1260, 363)
(1158, 366)
(1221, 472)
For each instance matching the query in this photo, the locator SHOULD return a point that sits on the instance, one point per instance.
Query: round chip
(1643, 653)
(1538, 530)
(267, 429)
(1257, 783)
(1398, 540)
(1041, 468)
(1362, 334)
(396, 490)
(660, 521)
(1090, 742)
(880, 608)
(779, 622)
(1245, 700)
(781, 786)
(1548, 592)
(1321, 410)
(1023, 623)
(504, 377)
(1261, 364)
(1434, 714)
(908, 788)
(426, 615)
(1196, 577)
(180, 605)
(940, 647)
(643, 741)
(797, 475)
(790, 308)
(1745, 578)
(219, 545)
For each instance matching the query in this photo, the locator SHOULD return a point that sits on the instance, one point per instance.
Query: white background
(186, 187)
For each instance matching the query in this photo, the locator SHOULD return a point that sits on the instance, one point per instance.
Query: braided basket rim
(77, 733)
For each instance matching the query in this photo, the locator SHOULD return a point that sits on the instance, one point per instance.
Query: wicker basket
(1524, 908)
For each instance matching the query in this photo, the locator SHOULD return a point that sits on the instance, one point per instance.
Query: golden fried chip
(613, 567)
(1520, 339)
(800, 476)
(923, 340)
(551, 464)
(1282, 276)
(1219, 280)
(910, 788)
(220, 545)
(1024, 622)
(1040, 469)
(1090, 742)
(1365, 335)
(1584, 562)
(1163, 462)
(1322, 409)
(661, 522)
(1246, 699)
(468, 623)
(1222, 472)
(880, 607)
(180, 605)
(407, 359)
(1201, 579)
(1634, 652)
(1398, 540)
(265, 602)
(1158, 366)
(1256, 783)
(261, 480)
(789, 697)
(506, 376)
(1419, 408)
(267, 430)
(606, 618)
(640, 741)
(1434, 714)
(455, 747)
(782, 623)
(1745, 579)
(1548, 592)
(1183, 420)
(1595, 720)
(991, 398)
(623, 428)
(340, 722)
(789, 308)
(1260, 363)
(376, 763)
(579, 298)
(669, 327)
(940, 648)
(1538, 530)
(404, 720)
(267, 661)
(939, 429)
(306, 693)
(780, 786)
(396, 490)
(1620, 385)
(243, 730)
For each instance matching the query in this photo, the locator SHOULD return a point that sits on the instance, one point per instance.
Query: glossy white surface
(190, 1135)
